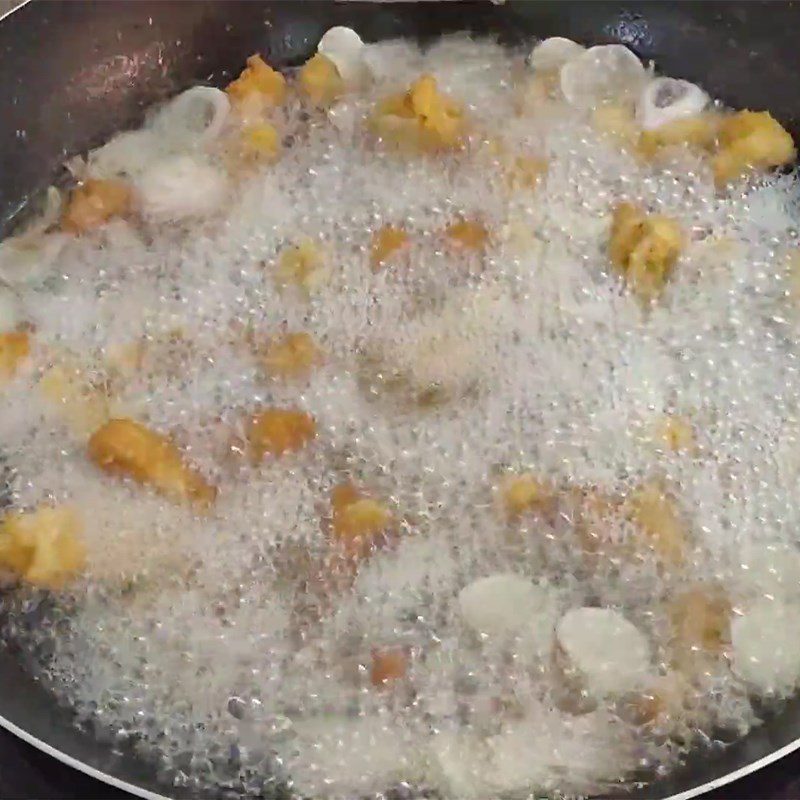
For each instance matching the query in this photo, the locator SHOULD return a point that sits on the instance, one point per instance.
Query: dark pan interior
(76, 72)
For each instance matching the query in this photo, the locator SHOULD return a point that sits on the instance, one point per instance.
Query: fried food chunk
(751, 140)
(359, 523)
(520, 494)
(675, 433)
(700, 618)
(128, 449)
(43, 546)
(258, 82)
(658, 520)
(389, 664)
(419, 120)
(644, 248)
(276, 431)
(525, 172)
(385, 242)
(260, 142)
(82, 406)
(698, 133)
(320, 81)
(292, 356)
(302, 266)
(94, 203)
(15, 347)
(469, 234)
(617, 122)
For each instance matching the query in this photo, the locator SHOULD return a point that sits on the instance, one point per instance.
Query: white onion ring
(205, 105)
(551, 54)
(665, 100)
(344, 47)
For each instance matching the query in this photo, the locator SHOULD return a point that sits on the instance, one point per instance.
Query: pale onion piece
(665, 100)
(344, 47)
(553, 53)
(193, 118)
(604, 74)
(460, 762)
(609, 652)
(771, 569)
(10, 313)
(26, 259)
(501, 605)
(128, 154)
(766, 647)
(180, 188)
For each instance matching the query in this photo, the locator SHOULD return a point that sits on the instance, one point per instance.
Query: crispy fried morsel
(659, 522)
(469, 234)
(644, 248)
(320, 81)
(359, 523)
(95, 202)
(419, 120)
(520, 494)
(385, 242)
(292, 356)
(260, 80)
(275, 431)
(389, 664)
(127, 448)
(700, 621)
(260, 142)
(44, 546)
(751, 140)
(301, 265)
(698, 132)
(676, 434)
(15, 347)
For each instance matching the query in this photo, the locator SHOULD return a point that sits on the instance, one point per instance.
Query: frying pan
(76, 72)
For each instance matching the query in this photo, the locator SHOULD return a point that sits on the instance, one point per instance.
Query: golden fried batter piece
(128, 449)
(44, 546)
(292, 356)
(751, 140)
(302, 266)
(276, 431)
(258, 82)
(699, 132)
(260, 142)
(320, 81)
(94, 203)
(386, 241)
(468, 234)
(644, 248)
(389, 664)
(521, 494)
(658, 520)
(419, 120)
(15, 347)
(359, 523)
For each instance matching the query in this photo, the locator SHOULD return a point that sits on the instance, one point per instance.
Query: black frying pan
(73, 73)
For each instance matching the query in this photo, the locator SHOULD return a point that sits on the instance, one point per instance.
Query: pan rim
(138, 791)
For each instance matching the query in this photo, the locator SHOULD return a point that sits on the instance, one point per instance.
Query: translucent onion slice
(195, 117)
(604, 74)
(553, 53)
(610, 653)
(180, 188)
(766, 648)
(344, 47)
